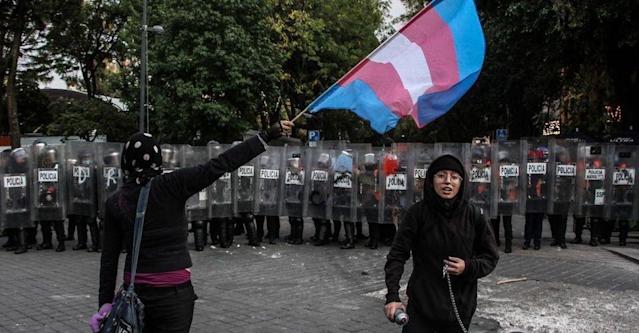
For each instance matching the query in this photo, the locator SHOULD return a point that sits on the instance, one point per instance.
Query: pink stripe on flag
(435, 38)
(383, 79)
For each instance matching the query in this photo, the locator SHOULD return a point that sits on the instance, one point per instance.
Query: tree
(87, 39)
(22, 27)
(211, 72)
(90, 118)
(320, 41)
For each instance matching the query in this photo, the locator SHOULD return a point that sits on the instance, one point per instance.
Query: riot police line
(336, 180)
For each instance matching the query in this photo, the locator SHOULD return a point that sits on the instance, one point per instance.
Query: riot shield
(396, 194)
(537, 174)
(423, 156)
(343, 197)
(14, 191)
(319, 189)
(369, 189)
(197, 206)
(592, 171)
(221, 191)
(244, 181)
(267, 191)
(294, 180)
(622, 186)
(480, 184)
(563, 183)
(110, 174)
(48, 183)
(81, 178)
(172, 157)
(507, 169)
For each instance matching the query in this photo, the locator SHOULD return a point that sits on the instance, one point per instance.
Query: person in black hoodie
(163, 281)
(443, 231)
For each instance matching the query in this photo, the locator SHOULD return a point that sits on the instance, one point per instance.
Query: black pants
(418, 324)
(167, 309)
(507, 221)
(558, 225)
(272, 227)
(47, 234)
(533, 227)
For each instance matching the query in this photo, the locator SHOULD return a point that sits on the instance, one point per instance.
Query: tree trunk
(12, 105)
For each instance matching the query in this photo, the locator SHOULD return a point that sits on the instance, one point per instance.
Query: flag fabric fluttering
(422, 71)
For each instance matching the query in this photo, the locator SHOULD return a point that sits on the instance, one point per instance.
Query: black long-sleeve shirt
(164, 239)
(432, 237)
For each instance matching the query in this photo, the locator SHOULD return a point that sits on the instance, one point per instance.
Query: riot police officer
(48, 198)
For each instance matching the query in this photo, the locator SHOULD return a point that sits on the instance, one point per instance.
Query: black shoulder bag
(127, 313)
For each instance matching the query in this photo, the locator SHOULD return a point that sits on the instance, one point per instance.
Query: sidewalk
(283, 288)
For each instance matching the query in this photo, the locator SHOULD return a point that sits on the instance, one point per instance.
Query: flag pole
(361, 62)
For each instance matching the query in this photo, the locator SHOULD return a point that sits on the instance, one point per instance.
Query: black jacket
(164, 239)
(432, 235)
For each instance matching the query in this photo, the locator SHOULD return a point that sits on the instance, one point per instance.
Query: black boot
(495, 224)
(199, 233)
(95, 237)
(593, 232)
(250, 231)
(299, 238)
(325, 232)
(58, 226)
(373, 235)
(259, 227)
(579, 228)
(349, 231)
(82, 236)
(47, 236)
(273, 228)
(22, 242)
(337, 227)
(239, 229)
(508, 234)
(71, 229)
(214, 231)
(318, 225)
(30, 234)
(624, 227)
(359, 231)
(224, 234)
(12, 241)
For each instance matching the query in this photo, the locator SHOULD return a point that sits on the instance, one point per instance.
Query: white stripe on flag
(408, 60)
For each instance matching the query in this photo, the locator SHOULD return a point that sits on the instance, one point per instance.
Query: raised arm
(185, 182)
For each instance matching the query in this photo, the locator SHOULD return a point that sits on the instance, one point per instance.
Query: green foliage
(211, 71)
(320, 41)
(87, 39)
(89, 118)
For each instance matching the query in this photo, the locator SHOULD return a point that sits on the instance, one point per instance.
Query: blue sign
(313, 136)
(501, 134)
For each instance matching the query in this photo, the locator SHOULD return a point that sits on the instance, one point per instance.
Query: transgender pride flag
(422, 71)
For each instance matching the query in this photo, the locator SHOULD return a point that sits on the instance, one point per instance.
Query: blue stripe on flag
(359, 98)
(434, 105)
(470, 46)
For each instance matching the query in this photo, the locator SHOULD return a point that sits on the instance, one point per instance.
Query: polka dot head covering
(141, 158)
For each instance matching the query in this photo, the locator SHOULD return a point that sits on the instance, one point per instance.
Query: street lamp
(143, 60)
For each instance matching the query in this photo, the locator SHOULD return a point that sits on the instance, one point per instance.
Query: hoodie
(432, 230)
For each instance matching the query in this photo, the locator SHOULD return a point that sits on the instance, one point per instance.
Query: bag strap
(137, 234)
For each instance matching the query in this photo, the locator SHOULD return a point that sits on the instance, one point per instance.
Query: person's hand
(456, 266)
(282, 127)
(97, 319)
(390, 308)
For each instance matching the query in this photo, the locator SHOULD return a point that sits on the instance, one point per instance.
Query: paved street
(283, 288)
